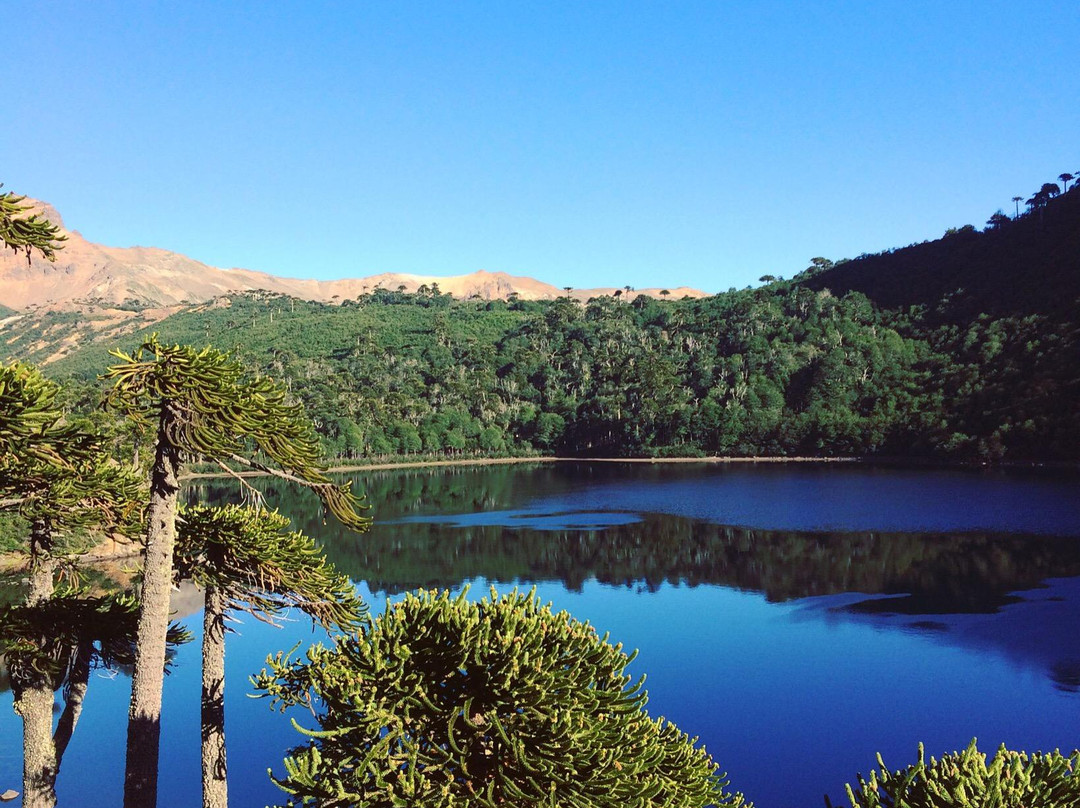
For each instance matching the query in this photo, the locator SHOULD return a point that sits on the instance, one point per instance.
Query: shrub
(448, 702)
(1010, 780)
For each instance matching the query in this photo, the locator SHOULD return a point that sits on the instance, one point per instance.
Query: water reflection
(776, 637)
(1035, 629)
(975, 589)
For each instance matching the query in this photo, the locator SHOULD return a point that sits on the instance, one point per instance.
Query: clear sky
(582, 143)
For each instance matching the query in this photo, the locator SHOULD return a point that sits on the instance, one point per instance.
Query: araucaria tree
(24, 233)
(446, 702)
(54, 473)
(58, 478)
(245, 559)
(56, 644)
(199, 404)
(1009, 780)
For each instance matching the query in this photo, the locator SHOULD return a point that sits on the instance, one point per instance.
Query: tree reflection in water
(441, 529)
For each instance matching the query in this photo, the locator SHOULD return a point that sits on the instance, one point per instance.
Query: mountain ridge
(87, 272)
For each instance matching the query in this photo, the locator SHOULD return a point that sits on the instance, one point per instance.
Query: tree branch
(256, 494)
(284, 475)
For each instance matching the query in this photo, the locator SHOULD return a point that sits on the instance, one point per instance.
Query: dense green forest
(964, 348)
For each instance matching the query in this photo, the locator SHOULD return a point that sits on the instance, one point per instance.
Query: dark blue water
(797, 619)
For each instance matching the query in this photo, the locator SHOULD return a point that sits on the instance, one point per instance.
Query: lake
(796, 618)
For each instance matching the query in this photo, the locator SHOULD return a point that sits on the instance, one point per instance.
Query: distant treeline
(975, 356)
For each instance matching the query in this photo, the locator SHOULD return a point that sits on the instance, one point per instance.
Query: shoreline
(112, 550)
(900, 462)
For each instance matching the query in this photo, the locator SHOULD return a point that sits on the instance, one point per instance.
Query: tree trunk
(214, 784)
(34, 704)
(42, 563)
(32, 689)
(144, 716)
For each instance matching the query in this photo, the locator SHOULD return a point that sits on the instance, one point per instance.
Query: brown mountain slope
(84, 271)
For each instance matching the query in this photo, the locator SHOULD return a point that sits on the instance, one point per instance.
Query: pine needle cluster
(204, 403)
(43, 640)
(24, 234)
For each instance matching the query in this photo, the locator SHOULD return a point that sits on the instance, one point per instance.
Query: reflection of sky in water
(793, 699)
(1036, 632)
(808, 682)
(531, 519)
(809, 497)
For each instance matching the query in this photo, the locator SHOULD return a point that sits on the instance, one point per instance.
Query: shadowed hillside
(1026, 265)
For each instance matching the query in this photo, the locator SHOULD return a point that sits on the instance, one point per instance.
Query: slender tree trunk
(42, 563)
(78, 681)
(32, 689)
(214, 784)
(34, 704)
(144, 716)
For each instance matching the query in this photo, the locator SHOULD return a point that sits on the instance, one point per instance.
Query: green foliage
(55, 471)
(1017, 267)
(447, 702)
(966, 348)
(14, 531)
(781, 370)
(27, 233)
(203, 403)
(29, 416)
(260, 567)
(1009, 780)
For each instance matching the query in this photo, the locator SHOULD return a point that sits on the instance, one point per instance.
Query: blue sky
(585, 144)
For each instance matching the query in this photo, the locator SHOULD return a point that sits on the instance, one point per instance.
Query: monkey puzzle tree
(199, 404)
(244, 559)
(86, 492)
(27, 233)
(447, 702)
(57, 643)
(57, 477)
(55, 473)
(1010, 780)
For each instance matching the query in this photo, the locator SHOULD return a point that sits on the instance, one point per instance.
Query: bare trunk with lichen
(42, 563)
(214, 784)
(144, 716)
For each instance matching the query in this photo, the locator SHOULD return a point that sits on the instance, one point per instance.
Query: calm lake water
(798, 619)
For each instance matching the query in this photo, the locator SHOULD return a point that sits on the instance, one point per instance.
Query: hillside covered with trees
(963, 348)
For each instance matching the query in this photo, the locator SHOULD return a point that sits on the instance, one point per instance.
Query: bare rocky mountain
(89, 273)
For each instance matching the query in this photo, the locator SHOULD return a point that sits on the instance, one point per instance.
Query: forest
(961, 349)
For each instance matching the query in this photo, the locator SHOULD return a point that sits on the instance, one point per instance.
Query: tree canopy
(445, 701)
